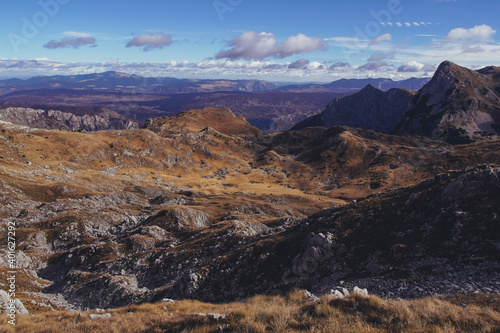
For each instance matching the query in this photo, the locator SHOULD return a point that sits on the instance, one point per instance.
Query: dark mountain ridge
(354, 85)
(455, 104)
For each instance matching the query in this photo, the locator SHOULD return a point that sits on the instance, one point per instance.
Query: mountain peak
(447, 67)
(369, 88)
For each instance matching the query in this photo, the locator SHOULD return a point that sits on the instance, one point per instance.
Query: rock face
(103, 119)
(369, 109)
(441, 236)
(456, 103)
(455, 98)
(10, 306)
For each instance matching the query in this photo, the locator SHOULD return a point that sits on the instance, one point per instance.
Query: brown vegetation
(289, 313)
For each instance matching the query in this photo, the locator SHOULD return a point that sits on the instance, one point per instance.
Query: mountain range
(266, 105)
(136, 84)
(455, 105)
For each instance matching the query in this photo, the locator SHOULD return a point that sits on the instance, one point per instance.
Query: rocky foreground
(179, 211)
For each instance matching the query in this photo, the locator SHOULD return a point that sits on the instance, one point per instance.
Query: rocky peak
(369, 89)
(370, 108)
(457, 99)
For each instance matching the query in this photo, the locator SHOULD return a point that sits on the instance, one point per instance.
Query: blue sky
(275, 40)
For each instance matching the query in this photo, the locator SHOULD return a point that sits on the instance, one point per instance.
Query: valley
(202, 205)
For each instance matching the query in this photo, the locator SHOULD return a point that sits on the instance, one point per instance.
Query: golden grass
(289, 313)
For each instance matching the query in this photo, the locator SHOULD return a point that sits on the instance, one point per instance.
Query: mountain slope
(455, 98)
(369, 108)
(222, 120)
(454, 105)
(117, 217)
(269, 111)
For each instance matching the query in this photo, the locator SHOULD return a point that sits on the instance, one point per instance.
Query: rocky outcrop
(369, 109)
(455, 104)
(53, 119)
(11, 306)
(455, 98)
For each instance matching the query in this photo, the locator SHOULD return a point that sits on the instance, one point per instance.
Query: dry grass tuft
(289, 313)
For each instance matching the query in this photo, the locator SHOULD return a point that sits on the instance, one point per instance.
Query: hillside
(456, 99)
(456, 106)
(113, 218)
(221, 120)
(369, 108)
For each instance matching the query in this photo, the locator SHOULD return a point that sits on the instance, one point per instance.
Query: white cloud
(298, 64)
(480, 33)
(372, 66)
(474, 49)
(315, 66)
(251, 45)
(70, 42)
(76, 34)
(411, 67)
(378, 56)
(300, 43)
(151, 41)
(382, 38)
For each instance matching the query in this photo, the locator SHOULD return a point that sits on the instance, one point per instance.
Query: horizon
(283, 83)
(242, 40)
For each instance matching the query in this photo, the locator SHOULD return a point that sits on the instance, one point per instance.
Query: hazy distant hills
(269, 111)
(129, 83)
(353, 85)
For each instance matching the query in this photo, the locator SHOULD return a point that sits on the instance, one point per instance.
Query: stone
(100, 316)
(360, 292)
(20, 309)
(168, 300)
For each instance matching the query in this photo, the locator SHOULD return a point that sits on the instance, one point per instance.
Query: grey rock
(53, 119)
(99, 316)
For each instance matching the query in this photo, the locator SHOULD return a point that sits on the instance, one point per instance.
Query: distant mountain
(353, 85)
(454, 105)
(121, 82)
(370, 108)
(269, 111)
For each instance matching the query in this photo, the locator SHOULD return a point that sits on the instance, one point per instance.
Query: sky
(278, 40)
